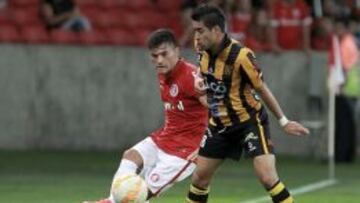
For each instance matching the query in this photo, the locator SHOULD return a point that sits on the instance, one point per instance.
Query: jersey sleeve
(246, 61)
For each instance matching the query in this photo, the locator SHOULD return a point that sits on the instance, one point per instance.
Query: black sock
(197, 195)
(280, 194)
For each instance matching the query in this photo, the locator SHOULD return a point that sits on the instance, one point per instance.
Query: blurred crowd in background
(272, 26)
(278, 25)
(263, 25)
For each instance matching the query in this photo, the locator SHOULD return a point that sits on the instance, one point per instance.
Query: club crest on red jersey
(174, 90)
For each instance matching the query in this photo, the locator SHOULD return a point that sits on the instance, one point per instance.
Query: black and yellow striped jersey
(231, 77)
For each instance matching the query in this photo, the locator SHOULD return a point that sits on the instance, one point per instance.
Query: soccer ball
(129, 188)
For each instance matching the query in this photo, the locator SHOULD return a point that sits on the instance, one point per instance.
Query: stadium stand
(115, 22)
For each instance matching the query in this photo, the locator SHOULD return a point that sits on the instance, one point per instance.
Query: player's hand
(199, 84)
(295, 128)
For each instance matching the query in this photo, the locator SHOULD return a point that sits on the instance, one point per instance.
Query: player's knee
(268, 179)
(201, 180)
(130, 154)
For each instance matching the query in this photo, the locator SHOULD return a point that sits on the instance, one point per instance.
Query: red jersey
(289, 19)
(185, 116)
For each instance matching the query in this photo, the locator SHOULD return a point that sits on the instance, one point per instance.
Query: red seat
(139, 5)
(108, 4)
(120, 37)
(169, 6)
(4, 18)
(85, 3)
(91, 38)
(91, 11)
(175, 25)
(142, 36)
(24, 17)
(107, 19)
(134, 20)
(154, 19)
(35, 34)
(63, 37)
(25, 3)
(9, 33)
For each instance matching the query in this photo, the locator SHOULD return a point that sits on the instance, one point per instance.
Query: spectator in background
(255, 37)
(337, 9)
(355, 29)
(290, 26)
(3, 4)
(187, 8)
(63, 14)
(240, 19)
(321, 34)
(345, 134)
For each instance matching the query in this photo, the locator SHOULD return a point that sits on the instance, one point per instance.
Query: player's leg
(131, 162)
(257, 144)
(265, 170)
(201, 179)
(134, 160)
(138, 159)
(213, 150)
(169, 169)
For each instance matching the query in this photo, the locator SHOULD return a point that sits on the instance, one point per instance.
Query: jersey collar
(226, 41)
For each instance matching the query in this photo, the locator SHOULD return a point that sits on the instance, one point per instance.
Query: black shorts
(229, 142)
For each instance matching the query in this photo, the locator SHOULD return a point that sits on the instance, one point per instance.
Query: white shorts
(161, 170)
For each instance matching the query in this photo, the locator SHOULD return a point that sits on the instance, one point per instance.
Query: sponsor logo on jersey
(179, 106)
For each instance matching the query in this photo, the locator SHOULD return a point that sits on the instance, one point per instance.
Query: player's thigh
(257, 140)
(148, 151)
(214, 145)
(168, 170)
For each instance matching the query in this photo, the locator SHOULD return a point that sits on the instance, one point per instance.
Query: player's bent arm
(199, 84)
(203, 101)
(270, 101)
(290, 127)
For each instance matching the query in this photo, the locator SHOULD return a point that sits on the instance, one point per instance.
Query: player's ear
(217, 29)
(177, 50)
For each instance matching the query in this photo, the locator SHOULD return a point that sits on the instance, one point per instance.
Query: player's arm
(290, 127)
(254, 73)
(203, 100)
(200, 88)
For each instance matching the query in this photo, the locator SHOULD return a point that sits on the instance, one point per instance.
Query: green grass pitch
(71, 177)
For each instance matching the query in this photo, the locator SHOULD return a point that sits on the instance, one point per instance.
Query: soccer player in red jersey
(167, 155)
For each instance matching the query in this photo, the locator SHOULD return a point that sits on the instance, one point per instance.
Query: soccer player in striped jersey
(238, 120)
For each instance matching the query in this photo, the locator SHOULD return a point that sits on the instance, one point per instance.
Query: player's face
(164, 57)
(203, 36)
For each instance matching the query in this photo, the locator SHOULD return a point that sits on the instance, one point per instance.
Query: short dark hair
(161, 36)
(210, 16)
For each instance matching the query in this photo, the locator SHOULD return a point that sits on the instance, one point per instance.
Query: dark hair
(161, 36)
(210, 16)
